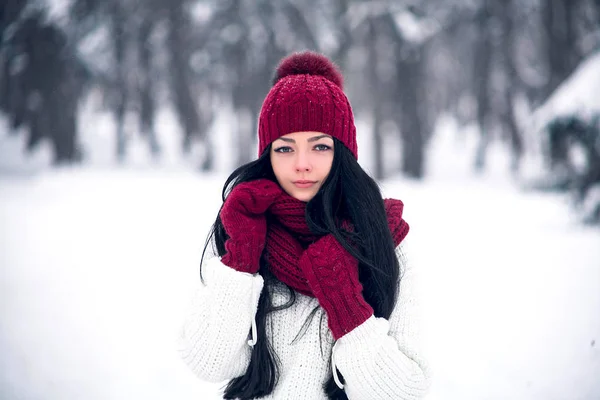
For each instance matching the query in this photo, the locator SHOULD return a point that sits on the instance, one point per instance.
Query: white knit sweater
(380, 359)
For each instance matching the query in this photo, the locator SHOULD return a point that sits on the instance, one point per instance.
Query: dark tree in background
(120, 38)
(182, 82)
(509, 90)
(146, 85)
(408, 94)
(42, 80)
(482, 72)
(560, 40)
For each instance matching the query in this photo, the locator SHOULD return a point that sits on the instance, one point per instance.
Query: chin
(305, 197)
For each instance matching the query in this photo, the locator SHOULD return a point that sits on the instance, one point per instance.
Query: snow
(95, 267)
(578, 94)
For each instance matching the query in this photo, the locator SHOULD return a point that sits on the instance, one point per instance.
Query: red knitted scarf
(289, 213)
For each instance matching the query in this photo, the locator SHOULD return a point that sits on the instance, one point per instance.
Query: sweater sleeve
(382, 359)
(213, 341)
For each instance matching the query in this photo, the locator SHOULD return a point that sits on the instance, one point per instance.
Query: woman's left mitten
(332, 274)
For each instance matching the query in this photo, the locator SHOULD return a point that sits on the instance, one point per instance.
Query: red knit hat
(307, 96)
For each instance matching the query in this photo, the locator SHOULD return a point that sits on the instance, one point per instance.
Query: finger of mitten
(398, 226)
(267, 189)
(393, 207)
(249, 199)
(256, 197)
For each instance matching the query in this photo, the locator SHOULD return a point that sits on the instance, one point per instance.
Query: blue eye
(322, 147)
(283, 149)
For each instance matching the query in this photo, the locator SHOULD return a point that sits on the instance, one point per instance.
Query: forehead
(305, 135)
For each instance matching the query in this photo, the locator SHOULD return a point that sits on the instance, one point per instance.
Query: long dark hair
(348, 194)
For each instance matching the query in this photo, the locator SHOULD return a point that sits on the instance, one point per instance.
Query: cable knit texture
(332, 274)
(244, 221)
(288, 236)
(380, 359)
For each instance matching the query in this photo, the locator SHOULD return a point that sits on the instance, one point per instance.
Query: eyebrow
(312, 139)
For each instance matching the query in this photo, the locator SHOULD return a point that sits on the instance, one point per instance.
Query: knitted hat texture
(307, 95)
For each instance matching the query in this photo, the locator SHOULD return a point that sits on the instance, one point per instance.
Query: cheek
(274, 163)
(325, 166)
(279, 169)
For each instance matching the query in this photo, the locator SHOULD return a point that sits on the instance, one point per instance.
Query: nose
(303, 163)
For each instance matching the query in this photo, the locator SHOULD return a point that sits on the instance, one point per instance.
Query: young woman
(310, 296)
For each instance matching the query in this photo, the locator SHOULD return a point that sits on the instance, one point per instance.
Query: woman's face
(301, 162)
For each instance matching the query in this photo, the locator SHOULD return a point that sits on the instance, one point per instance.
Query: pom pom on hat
(310, 63)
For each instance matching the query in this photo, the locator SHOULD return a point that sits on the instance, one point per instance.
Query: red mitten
(398, 226)
(243, 217)
(332, 274)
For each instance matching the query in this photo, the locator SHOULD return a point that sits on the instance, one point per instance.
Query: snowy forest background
(120, 120)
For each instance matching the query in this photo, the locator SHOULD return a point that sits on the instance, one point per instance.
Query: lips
(304, 183)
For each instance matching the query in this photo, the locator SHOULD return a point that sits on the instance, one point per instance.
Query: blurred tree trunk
(264, 71)
(560, 37)
(42, 85)
(207, 116)
(343, 25)
(64, 128)
(505, 12)
(482, 77)
(376, 100)
(118, 20)
(240, 77)
(181, 82)
(147, 85)
(243, 104)
(301, 27)
(407, 94)
(410, 123)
